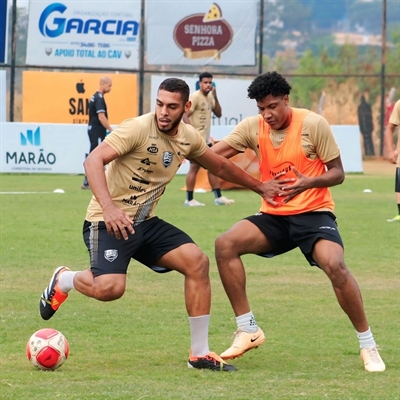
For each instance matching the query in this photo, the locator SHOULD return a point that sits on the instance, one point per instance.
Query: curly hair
(176, 85)
(270, 83)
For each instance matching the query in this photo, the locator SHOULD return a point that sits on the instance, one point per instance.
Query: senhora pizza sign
(203, 35)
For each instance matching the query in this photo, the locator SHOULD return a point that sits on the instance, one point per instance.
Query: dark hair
(204, 75)
(176, 85)
(270, 83)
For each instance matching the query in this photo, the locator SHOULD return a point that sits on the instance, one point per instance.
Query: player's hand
(291, 191)
(393, 157)
(118, 222)
(273, 188)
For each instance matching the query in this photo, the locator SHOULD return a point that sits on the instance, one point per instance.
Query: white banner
(62, 148)
(86, 33)
(43, 148)
(232, 95)
(200, 32)
(3, 96)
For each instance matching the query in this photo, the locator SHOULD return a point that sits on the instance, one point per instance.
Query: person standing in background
(204, 103)
(366, 124)
(98, 119)
(393, 152)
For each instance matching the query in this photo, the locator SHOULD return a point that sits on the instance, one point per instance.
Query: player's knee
(110, 291)
(337, 272)
(200, 268)
(224, 245)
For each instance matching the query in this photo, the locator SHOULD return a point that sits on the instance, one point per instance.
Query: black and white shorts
(397, 181)
(285, 233)
(152, 239)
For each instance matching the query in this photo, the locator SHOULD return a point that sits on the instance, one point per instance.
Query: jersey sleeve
(193, 99)
(198, 145)
(126, 137)
(324, 141)
(244, 135)
(100, 104)
(395, 115)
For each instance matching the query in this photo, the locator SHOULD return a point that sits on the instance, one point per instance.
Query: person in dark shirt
(98, 118)
(365, 121)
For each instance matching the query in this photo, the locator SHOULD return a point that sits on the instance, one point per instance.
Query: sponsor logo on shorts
(110, 255)
(329, 228)
(167, 158)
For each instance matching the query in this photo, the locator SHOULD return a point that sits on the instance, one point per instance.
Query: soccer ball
(47, 349)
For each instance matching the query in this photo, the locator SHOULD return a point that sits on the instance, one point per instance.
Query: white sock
(199, 335)
(247, 322)
(366, 339)
(66, 281)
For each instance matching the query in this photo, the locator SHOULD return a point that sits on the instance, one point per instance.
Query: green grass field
(137, 347)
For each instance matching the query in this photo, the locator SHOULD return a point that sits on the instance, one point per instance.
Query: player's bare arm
(104, 121)
(116, 220)
(275, 185)
(217, 110)
(229, 171)
(332, 177)
(391, 152)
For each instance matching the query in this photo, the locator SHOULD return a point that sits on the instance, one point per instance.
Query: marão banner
(201, 33)
(64, 97)
(86, 33)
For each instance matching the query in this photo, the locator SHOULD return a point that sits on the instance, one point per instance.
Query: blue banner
(3, 31)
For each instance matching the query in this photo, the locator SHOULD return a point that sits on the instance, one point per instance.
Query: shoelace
(374, 355)
(213, 357)
(238, 335)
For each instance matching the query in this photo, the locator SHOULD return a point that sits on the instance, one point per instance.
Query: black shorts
(152, 239)
(285, 233)
(397, 180)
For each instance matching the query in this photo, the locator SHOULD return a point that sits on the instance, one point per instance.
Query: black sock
(189, 195)
(398, 206)
(217, 193)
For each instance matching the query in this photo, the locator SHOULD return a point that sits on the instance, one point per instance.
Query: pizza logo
(203, 35)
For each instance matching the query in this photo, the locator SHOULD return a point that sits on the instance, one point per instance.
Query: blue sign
(3, 31)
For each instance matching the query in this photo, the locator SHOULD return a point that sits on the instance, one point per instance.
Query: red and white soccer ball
(47, 349)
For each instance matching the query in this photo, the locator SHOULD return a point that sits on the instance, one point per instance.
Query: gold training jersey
(317, 140)
(316, 137)
(395, 120)
(201, 110)
(148, 160)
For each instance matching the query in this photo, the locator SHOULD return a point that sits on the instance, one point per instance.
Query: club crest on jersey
(110, 255)
(167, 158)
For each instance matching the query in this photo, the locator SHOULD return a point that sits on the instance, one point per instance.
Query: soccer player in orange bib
(289, 142)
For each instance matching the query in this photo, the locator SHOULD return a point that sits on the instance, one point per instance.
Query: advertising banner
(62, 148)
(86, 33)
(3, 31)
(3, 96)
(43, 148)
(64, 97)
(232, 95)
(201, 33)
